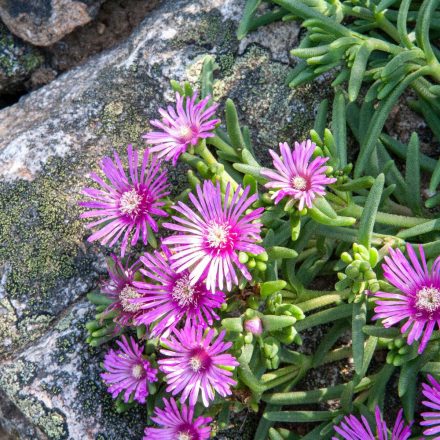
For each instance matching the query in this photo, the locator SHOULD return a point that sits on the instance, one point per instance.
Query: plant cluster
(209, 319)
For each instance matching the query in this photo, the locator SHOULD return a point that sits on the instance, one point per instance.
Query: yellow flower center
(183, 292)
(299, 183)
(195, 363)
(217, 235)
(128, 293)
(130, 202)
(186, 133)
(137, 371)
(428, 299)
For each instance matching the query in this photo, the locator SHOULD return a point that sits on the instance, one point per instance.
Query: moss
(42, 245)
(13, 379)
(211, 31)
(17, 59)
(8, 325)
(274, 112)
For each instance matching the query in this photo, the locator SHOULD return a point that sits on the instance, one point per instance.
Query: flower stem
(203, 151)
(384, 218)
(322, 301)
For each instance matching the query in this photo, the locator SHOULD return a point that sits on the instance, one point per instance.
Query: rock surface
(49, 141)
(43, 22)
(17, 61)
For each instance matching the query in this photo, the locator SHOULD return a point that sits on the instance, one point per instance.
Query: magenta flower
(168, 297)
(432, 418)
(295, 176)
(210, 239)
(197, 364)
(351, 428)
(181, 127)
(126, 204)
(419, 300)
(175, 424)
(127, 371)
(121, 290)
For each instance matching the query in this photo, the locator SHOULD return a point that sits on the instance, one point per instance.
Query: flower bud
(254, 326)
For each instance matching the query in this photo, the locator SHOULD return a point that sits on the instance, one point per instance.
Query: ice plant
(182, 126)
(419, 300)
(126, 204)
(211, 236)
(431, 418)
(169, 297)
(197, 363)
(296, 177)
(351, 428)
(121, 290)
(128, 372)
(175, 424)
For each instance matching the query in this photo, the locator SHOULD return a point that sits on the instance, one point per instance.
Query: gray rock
(43, 22)
(49, 141)
(17, 61)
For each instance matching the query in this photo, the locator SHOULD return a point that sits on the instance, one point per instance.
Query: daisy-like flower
(178, 424)
(211, 236)
(295, 176)
(197, 363)
(181, 127)
(128, 371)
(419, 300)
(168, 297)
(121, 290)
(351, 428)
(126, 204)
(432, 418)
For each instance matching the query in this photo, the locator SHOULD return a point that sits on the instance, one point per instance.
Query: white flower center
(184, 436)
(186, 133)
(127, 293)
(137, 371)
(218, 235)
(428, 299)
(130, 202)
(183, 292)
(299, 183)
(195, 363)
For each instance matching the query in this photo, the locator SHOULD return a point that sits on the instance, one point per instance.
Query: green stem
(314, 396)
(322, 301)
(384, 218)
(221, 145)
(325, 316)
(203, 151)
(347, 234)
(336, 355)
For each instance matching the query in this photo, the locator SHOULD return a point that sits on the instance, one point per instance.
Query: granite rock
(17, 61)
(44, 22)
(49, 141)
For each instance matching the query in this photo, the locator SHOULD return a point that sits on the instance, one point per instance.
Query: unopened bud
(254, 326)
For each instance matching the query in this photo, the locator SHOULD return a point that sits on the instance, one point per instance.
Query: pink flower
(197, 364)
(127, 371)
(432, 418)
(183, 126)
(211, 237)
(121, 290)
(168, 297)
(295, 177)
(126, 204)
(419, 300)
(351, 428)
(177, 424)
